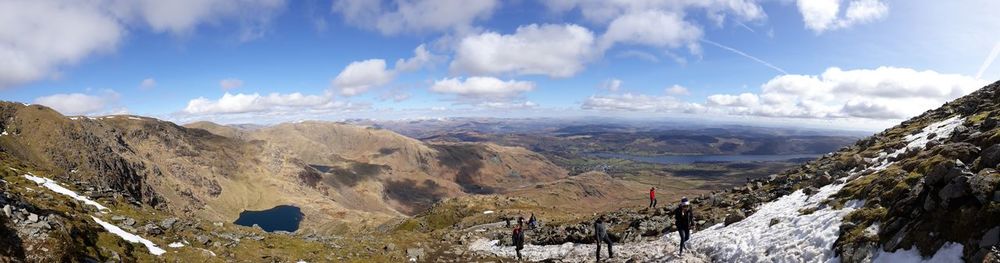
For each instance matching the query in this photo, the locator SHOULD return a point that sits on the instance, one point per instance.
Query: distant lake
(686, 159)
(282, 217)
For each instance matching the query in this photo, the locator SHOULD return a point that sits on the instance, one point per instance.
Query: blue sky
(866, 63)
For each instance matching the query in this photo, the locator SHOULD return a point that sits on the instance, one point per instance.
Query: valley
(131, 188)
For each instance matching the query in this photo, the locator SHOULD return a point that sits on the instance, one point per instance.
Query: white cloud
(881, 93)
(612, 85)
(421, 57)
(359, 76)
(646, 56)
(39, 37)
(245, 103)
(415, 16)
(36, 37)
(639, 102)
(552, 50)
(147, 83)
(824, 15)
(677, 90)
(652, 28)
(79, 103)
(605, 11)
(482, 87)
(230, 83)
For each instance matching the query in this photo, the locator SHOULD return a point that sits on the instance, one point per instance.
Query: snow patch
(663, 249)
(176, 245)
(795, 238)
(4, 133)
(55, 187)
(134, 118)
(74, 118)
(487, 212)
(153, 249)
(949, 252)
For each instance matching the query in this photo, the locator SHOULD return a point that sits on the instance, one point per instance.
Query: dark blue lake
(282, 217)
(685, 159)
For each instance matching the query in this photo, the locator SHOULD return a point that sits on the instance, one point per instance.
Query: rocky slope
(335, 172)
(926, 189)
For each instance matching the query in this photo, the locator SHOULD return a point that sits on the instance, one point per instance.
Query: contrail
(989, 60)
(741, 53)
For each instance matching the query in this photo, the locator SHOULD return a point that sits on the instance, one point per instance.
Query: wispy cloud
(744, 54)
(989, 60)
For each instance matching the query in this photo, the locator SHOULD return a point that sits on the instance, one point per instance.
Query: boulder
(7, 211)
(734, 217)
(990, 157)
(32, 218)
(966, 152)
(991, 237)
(984, 183)
(959, 187)
(152, 229)
(168, 223)
(415, 253)
(129, 222)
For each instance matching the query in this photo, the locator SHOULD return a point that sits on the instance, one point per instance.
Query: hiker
(506, 220)
(532, 222)
(518, 237)
(684, 219)
(601, 235)
(652, 197)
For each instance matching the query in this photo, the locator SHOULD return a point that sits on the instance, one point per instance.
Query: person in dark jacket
(518, 237)
(532, 222)
(652, 197)
(601, 235)
(684, 219)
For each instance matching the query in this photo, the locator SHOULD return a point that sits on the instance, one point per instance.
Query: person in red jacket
(652, 197)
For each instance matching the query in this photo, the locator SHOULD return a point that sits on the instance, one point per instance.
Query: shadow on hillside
(417, 196)
(467, 160)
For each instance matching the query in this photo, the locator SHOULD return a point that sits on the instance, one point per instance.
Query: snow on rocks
(153, 249)
(176, 245)
(55, 187)
(796, 237)
(941, 129)
(950, 252)
(660, 250)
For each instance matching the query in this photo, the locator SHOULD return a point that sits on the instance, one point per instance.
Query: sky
(855, 64)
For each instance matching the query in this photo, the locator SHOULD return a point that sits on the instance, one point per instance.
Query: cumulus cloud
(230, 83)
(80, 103)
(825, 15)
(147, 83)
(881, 93)
(639, 102)
(652, 28)
(421, 58)
(359, 76)
(39, 37)
(245, 103)
(36, 37)
(677, 90)
(486, 92)
(414, 16)
(552, 50)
